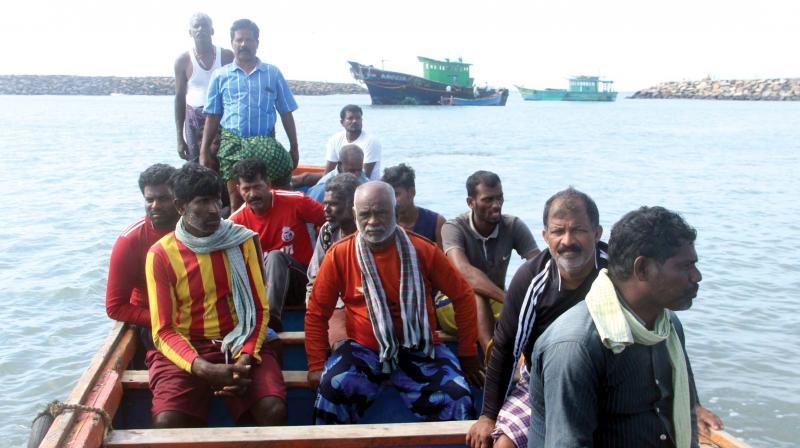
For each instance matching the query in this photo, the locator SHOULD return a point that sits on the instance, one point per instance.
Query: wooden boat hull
(394, 88)
(497, 99)
(108, 384)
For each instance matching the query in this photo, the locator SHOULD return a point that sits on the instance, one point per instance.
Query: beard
(573, 259)
(377, 234)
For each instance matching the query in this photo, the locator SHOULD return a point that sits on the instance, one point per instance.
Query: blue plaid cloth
(433, 389)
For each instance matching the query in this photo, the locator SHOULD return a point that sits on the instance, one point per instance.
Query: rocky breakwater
(707, 89)
(149, 85)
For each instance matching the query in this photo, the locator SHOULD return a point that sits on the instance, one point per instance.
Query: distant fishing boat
(581, 88)
(442, 79)
(498, 99)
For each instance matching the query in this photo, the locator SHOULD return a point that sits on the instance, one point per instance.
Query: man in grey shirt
(613, 371)
(479, 244)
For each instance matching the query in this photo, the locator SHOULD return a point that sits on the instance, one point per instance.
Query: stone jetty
(149, 85)
(708, 89)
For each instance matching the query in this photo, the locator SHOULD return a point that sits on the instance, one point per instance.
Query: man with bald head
(351, 160)
(384, 276)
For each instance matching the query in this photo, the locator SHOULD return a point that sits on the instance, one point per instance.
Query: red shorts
(174, 389)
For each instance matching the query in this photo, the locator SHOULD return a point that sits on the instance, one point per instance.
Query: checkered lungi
(514, 418)
(193, 130)
(234, 148)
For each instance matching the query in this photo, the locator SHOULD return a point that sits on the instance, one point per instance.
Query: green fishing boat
(581, 88)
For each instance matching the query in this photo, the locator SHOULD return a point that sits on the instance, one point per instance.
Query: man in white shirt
(351, 119)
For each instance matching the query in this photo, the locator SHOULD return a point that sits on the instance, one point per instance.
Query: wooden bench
(140, 379)
(340, 436)
(299, 337)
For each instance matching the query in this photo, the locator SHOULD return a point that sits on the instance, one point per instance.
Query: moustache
(243, 50)
(570, 248)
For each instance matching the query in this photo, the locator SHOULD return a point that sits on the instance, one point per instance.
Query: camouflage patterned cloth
(234, 148)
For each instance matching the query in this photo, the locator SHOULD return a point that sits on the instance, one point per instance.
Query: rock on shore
(707, 89)
(149, 85)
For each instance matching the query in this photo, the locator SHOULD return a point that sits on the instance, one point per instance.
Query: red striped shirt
(191, 298)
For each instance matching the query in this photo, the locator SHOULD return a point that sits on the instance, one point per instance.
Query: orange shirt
(340, 274)
(191, 298)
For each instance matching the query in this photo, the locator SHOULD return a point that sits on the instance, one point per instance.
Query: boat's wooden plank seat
(340, 436)
(139, 379)
(299, 337)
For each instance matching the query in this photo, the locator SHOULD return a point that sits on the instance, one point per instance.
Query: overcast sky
(538, 44)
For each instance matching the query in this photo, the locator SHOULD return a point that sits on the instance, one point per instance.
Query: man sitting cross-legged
(281, 219)
(205, 282)
(384, 277)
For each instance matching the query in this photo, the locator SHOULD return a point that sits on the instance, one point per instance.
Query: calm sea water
(69, 167)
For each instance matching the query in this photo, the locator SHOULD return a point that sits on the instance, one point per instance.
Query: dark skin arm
(475, 277)
(480, 433)
(707, 420)
(532, 254)
(287, 119)
(474, 372)
(208, 155)
(227, 379)
(182, 66)
(368, 167)
(439, 223)
(227, 56)
(330, 166)
(241, 368)
(314, 377)
(306, 179)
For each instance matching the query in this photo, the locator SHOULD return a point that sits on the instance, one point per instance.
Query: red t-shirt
(284, 226)
(126, 291)
(340, 275)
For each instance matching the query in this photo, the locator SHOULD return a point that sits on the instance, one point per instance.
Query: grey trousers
(286, 285)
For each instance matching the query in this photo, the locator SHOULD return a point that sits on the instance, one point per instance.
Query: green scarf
(618, 328)
(229, 237)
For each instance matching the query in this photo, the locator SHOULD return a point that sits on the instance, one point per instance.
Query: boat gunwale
(114, 354)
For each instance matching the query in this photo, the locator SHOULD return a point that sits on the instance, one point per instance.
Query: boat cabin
(447, 72)
(590, 84)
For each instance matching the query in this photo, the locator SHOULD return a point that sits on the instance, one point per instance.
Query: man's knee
(277, 260)
(175, 419)
(270, 411)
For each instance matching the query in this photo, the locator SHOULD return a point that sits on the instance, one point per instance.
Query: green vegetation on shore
(147, 85)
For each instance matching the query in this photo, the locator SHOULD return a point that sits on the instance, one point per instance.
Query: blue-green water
(69, 167)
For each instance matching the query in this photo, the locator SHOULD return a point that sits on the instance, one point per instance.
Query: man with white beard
(385, 277)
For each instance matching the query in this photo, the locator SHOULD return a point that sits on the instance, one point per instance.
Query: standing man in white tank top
(192, 73)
